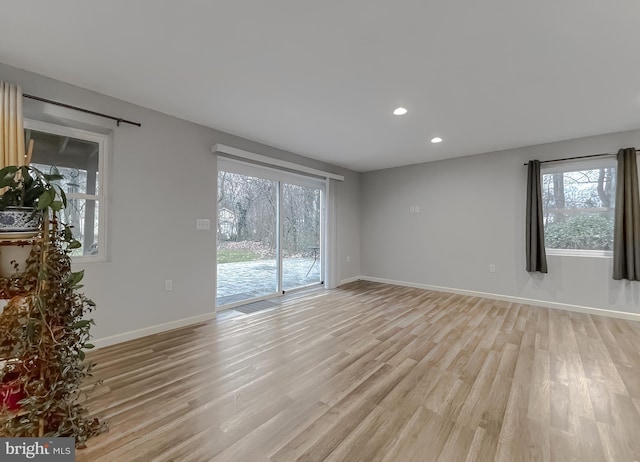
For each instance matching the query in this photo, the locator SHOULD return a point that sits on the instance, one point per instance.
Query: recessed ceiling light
(399, 111)
(437, 139)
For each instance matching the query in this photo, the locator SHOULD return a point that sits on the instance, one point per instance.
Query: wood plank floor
(373, 372)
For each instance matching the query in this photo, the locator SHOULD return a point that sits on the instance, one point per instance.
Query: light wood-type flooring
(373, 372)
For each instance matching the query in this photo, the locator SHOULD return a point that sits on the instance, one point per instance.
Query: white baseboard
(134, 334)
(508, 298)
(348, 280)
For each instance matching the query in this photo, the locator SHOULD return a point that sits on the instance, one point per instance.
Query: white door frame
(328, 249)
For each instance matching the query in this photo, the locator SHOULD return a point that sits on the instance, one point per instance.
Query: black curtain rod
(119, 120)
(577, 157)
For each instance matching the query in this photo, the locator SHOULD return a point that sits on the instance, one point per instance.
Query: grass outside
(236, 255)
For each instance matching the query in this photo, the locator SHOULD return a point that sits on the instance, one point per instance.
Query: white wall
(162, 177)
(472, 214)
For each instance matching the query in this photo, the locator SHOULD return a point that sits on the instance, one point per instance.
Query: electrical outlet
(168, 285)
(492, 268)
(348, 258)
(412, 209)
(417, 209)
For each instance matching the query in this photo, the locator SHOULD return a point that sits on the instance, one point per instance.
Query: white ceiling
(321, 78)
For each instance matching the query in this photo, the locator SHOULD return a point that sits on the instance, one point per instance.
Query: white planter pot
(13, 258)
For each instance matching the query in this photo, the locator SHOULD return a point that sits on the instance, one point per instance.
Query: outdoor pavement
(250, 279)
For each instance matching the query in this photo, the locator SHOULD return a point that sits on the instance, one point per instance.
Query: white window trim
(573, 166)
(245, 168)
(103, 145)
(580, 253)
(223, 149)
(578, 164)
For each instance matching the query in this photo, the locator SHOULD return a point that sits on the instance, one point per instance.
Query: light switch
(203, 224)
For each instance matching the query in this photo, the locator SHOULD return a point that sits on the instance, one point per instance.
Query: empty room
(319, 231)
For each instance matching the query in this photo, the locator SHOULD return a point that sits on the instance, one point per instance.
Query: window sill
(579, 253)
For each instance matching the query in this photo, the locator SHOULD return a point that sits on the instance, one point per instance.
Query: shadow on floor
(263, 305)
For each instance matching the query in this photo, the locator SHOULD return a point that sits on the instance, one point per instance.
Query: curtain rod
(577, 157)
(119, 120)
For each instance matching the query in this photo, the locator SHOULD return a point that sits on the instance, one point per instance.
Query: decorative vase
(20, 220)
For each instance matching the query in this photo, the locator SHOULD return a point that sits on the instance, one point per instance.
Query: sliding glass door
(247, 238)
(301, 236)
(269, 232)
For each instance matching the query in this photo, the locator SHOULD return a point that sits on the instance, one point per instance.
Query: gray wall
(161, 178)
(472, 213)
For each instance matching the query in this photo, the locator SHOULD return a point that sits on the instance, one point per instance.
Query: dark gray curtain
(626, 231)
(536, 255)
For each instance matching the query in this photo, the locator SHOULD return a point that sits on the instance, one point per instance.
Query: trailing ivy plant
(44, 334)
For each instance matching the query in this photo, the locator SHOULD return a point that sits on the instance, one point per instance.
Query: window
(578, 207)
(79, 156)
